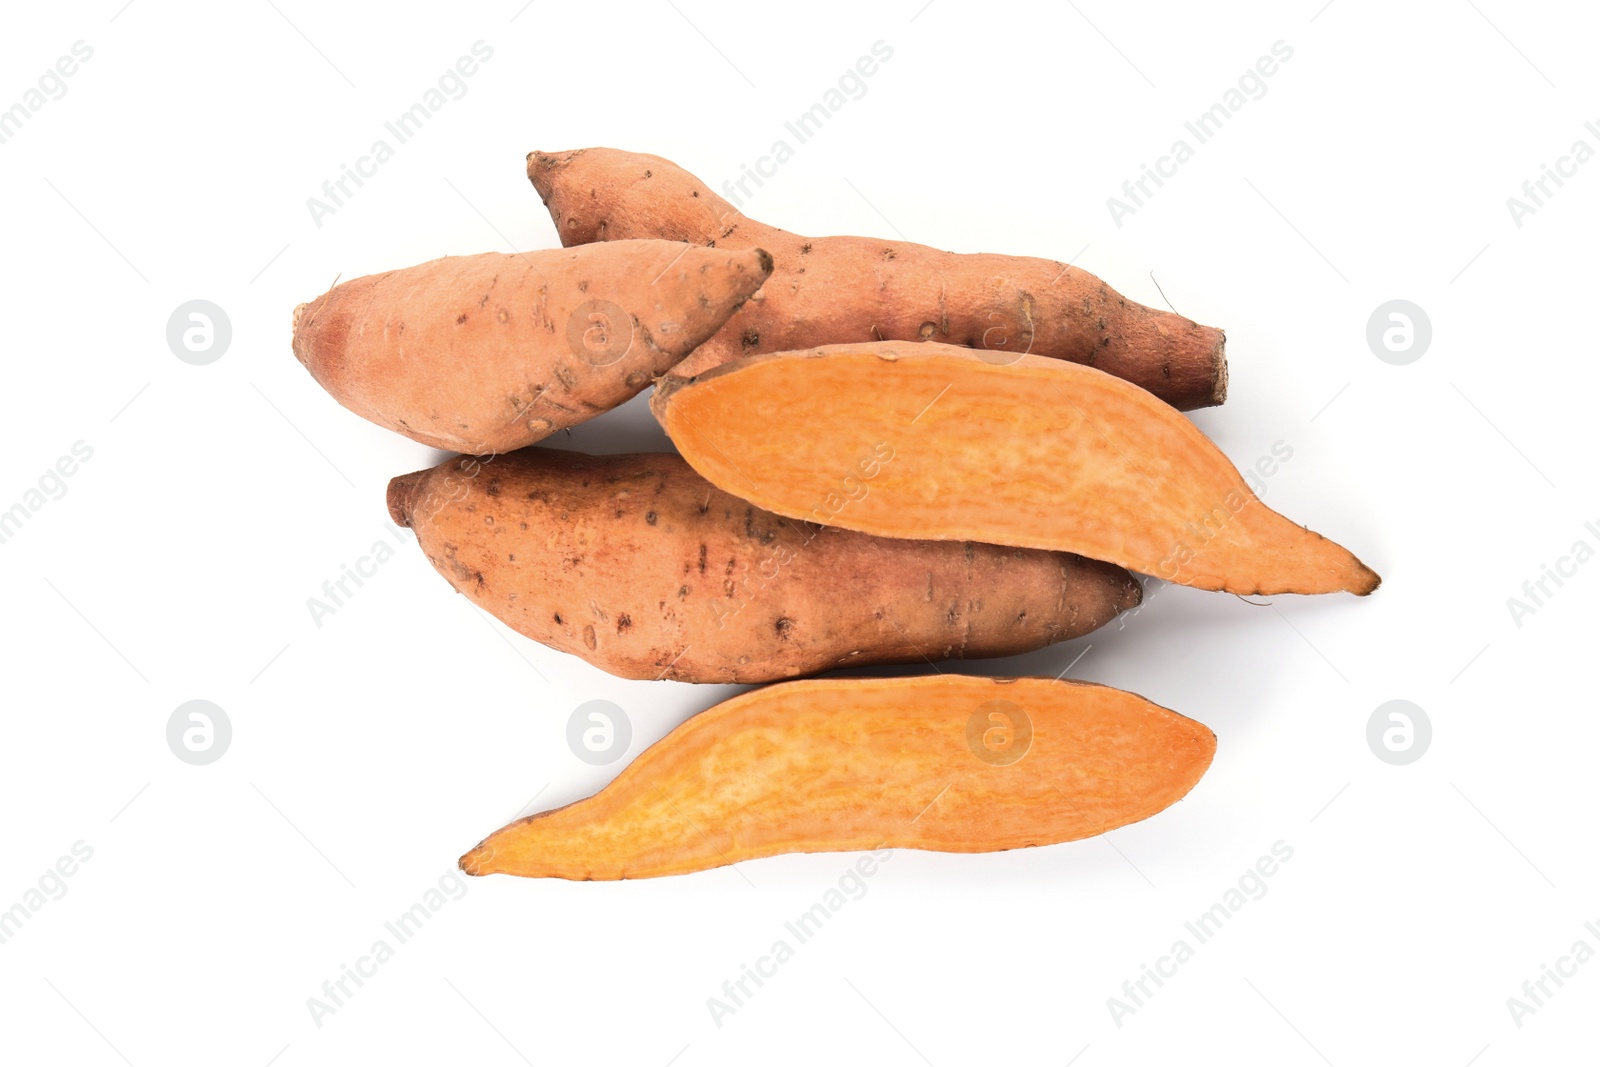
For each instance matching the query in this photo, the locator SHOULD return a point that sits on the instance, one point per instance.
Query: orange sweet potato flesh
(1040, 454)
(851, 764)
(488, 353)
(643, 568)
(837, 290)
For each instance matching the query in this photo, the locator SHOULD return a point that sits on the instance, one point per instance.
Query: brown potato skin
(641, 567)
(838, 290)
(489, 353)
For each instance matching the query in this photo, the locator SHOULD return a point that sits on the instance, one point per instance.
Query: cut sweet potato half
(1037, 454)
(947, 764)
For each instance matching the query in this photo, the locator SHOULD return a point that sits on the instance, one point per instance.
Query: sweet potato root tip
(1132, 595)
(478, 861)
(641, 567)
(946, 763)
(1219, 387)
(1038, 453)
(402, 496)
(540, 164)
(840, 290)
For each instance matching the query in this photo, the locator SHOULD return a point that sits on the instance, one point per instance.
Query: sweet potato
(641, 567)
(947, 764)
(1040, 454)
(836, 290)
(488, 353)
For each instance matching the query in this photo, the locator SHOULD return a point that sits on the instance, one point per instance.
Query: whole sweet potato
(836, 290)
(641, 567)
(1042, 454)
(948, 764)
(491, 352)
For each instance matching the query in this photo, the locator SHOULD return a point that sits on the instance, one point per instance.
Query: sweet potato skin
(837, 290)
(852, 764)
(1041, 454)
(488, 353)
(638, 565)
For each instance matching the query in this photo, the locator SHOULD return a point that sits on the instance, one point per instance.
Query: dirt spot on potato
(589, 638)
(624, 623)
(782, 626)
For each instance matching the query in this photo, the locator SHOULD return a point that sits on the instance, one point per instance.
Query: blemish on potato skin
(624, 623)
(650, 517)
(461, 318)
(702, 559)
(782, 626)
(589, 637)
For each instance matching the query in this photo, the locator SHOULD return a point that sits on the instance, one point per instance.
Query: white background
(367, 754)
